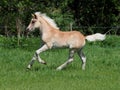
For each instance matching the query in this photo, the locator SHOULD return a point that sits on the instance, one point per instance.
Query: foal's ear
(34, 16)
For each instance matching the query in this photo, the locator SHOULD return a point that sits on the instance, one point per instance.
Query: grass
(102, 69)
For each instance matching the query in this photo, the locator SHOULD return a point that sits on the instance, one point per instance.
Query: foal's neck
(46, 27)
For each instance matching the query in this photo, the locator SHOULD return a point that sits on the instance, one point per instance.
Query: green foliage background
(81, 13)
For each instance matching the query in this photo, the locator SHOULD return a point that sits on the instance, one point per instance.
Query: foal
(53, 37)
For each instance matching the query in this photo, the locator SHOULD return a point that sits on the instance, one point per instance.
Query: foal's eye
(33, 22)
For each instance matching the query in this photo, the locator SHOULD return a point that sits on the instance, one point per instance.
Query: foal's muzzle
(26, 31)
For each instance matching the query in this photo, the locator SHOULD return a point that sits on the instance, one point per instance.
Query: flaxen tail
(96, 37)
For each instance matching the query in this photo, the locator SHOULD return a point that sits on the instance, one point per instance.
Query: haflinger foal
(53, 37)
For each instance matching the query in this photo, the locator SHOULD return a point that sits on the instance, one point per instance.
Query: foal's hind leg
(83, 58)
(36, 56)
(70, 59)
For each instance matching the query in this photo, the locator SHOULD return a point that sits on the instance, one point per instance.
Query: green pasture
(102, 68)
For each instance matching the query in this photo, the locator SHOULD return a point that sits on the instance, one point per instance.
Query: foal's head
(34, 23)
(39, 19)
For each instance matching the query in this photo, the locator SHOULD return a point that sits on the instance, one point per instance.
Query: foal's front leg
(37, 57)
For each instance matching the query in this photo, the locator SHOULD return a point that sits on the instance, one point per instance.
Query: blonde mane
(48, 19)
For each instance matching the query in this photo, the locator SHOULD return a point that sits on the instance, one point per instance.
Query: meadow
(102, 68)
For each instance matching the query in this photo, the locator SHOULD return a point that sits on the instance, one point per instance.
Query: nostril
(27, 30)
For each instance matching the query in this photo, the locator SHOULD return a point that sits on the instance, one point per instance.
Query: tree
(15, 15)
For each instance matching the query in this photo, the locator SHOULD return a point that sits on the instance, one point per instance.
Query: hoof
(28, 67)
(44, 63)
(59, 69)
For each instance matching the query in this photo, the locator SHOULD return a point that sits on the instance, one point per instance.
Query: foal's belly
(60, 44)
